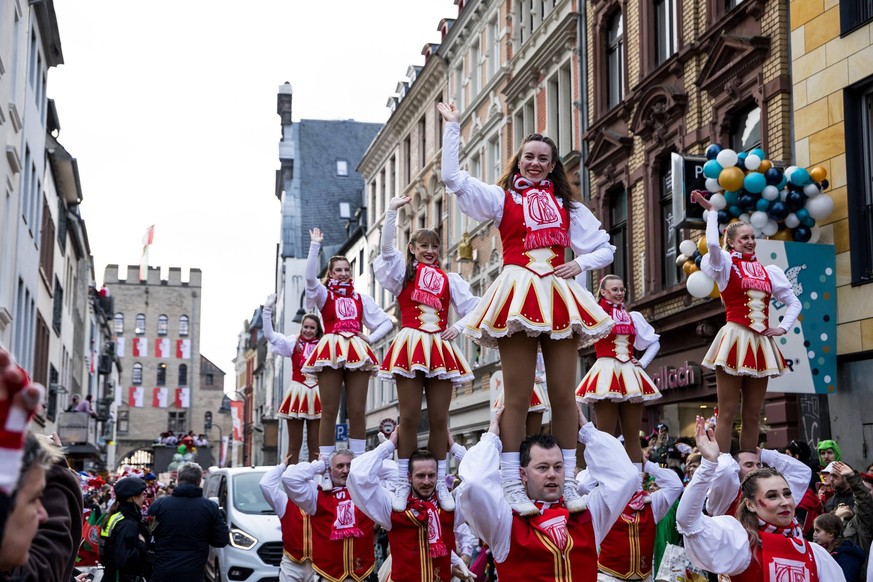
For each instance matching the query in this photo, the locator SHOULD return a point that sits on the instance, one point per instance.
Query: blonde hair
(424, 235)
(330, 263)
(609, 278)
(730, 233)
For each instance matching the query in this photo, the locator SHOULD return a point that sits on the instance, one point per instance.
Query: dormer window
(342, 168)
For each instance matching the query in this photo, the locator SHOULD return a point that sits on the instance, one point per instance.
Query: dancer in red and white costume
(535, 303)
(422, 357)
(343, 355)
(296, 564)
(302, 402)
(553, 544)
(342, 535)
(744, 353)
(539, 400)
(764, 543)
(617, 383)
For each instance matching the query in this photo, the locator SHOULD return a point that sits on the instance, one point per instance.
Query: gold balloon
(701, 245)
(715, 292)
(765, 165)
(818, 173)
(731, 179)
(784, 234)
(689, 267)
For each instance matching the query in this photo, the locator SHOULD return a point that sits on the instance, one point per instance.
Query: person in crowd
(763, 538)
(125, 554)
(725, 494)
(296, 564)
(421, 536)
(26, 511)
(799, 450)
(662, 444)
(343, 356)
(627, 551)
(422, 357)
(302, 403)
(86, 406)
(54, 548)
(858, 519)
(535, 304)
(809, 507)
(74, 402)
(554, 543)
(828, 533)
(201, 441)
(828, 452)
(837, 492)
(342, 534)
(539, 400)
(186, 524)
(617, 383)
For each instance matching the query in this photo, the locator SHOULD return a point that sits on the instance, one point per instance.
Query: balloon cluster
(783, 205)
(699, 284)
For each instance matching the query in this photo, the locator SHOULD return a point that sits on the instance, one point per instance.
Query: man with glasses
(724, 494)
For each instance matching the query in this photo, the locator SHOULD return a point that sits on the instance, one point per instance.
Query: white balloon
(727, 158)
(680, 260)
(722, 228)
(811, 190)
(770, 193)
(816, 234)
(758, 232)
(752, 162)
(687, 247)
(718, 202)
(771, 228)
(788, 171)
(791, 220)
(699, 284)
(758, 220)
(783, 195)
(712, 185)
(744, 217)
(820, 207)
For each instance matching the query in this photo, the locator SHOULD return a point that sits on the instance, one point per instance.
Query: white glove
(319, 466)
(461, 571)
(270, 302)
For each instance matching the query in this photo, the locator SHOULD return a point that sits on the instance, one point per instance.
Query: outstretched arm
(300, 485)
(279, 343)
(646, 339)
(375, 318)
(365, 486)
(272, 489)
(389, 267)
(316, 293)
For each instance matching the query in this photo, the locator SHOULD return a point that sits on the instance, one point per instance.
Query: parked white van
(255, 548)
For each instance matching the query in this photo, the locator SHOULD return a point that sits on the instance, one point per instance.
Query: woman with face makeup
(763, 542)
(744, 353)
(342, 356)
(617, 383)
(534, 304)
(422, 357)
(302, 402)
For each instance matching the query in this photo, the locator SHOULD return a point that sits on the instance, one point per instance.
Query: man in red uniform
(553, 544)
(342, 536)
(296, 565)
(422, 537)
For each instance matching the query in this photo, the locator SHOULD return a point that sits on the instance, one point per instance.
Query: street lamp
(225, 409)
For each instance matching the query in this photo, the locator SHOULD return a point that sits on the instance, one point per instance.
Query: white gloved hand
(461, 571)
(270, 302)
(319, 466)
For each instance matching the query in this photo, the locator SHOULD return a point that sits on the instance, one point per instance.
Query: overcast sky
(170, 109)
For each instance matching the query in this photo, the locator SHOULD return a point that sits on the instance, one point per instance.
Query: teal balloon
(802, 213)
(754, 182)
(735, 210)
(808, 221)
(762, 205)
(782, 183)
(711, 169)
(800, 177)
(759, 152)
(731, 197)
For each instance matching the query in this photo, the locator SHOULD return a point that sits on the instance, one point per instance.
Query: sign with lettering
(686, 173)
(668, 377)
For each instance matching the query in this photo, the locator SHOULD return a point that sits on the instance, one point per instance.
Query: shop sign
(668, 377)
(686, 173)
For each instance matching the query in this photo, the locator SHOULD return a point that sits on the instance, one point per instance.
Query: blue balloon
(801, 213)
(736, 210)
(741, 160)
(759, 152)
(796, 200)
(724, 217)
(808, 221)
(800, 177)
(778, 210)
(747, 202)
(712, 169)
(754, 182)
(801, 233)
(773, 176)
(712, 151)
(762, 205)
(698, 259)
(731, 197)
(782, 182)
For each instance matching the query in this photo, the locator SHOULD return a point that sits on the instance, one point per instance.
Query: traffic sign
(342, 431)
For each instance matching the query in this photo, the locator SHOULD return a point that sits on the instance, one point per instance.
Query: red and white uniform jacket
(721, 545)
(570, 545)
(290, 346)
(296, 529)
(631, 331)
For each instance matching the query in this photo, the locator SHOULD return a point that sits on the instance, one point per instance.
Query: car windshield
(247, 496)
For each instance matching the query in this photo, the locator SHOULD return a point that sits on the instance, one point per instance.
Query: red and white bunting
(140, 347)
(160, 396)
(162, 347)
(135, 396)
(183, 398)
(183, 349)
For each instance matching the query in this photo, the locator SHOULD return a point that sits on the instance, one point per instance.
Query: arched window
(136, 374)
(615, 59)
(183, 374)
(140, 324)
(183, 325)
(119, 323)
(618, 231)
(161, 380)
(162, 324)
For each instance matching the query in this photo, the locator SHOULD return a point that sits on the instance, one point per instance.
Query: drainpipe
(582, 35)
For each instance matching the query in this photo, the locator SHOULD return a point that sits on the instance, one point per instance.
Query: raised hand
(494, 427)
(315, 235)
(582, 420)
(843, 469)
(270, 302)
(449, 112)
(705, 439)
(697, 196)
(399, 202)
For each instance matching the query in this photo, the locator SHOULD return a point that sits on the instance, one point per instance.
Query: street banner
(159, 397)
(183, 349)
(183, 398)
(140, 347)
(162, 347)
(236, 416)
(135, 396)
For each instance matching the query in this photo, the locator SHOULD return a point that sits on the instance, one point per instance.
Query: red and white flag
(183, 398)
(140, 347)
(119, 346)
(135, 396)
(162, 347)
(159, 397)
(147, 241)
(236, 415)
(183, 349)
